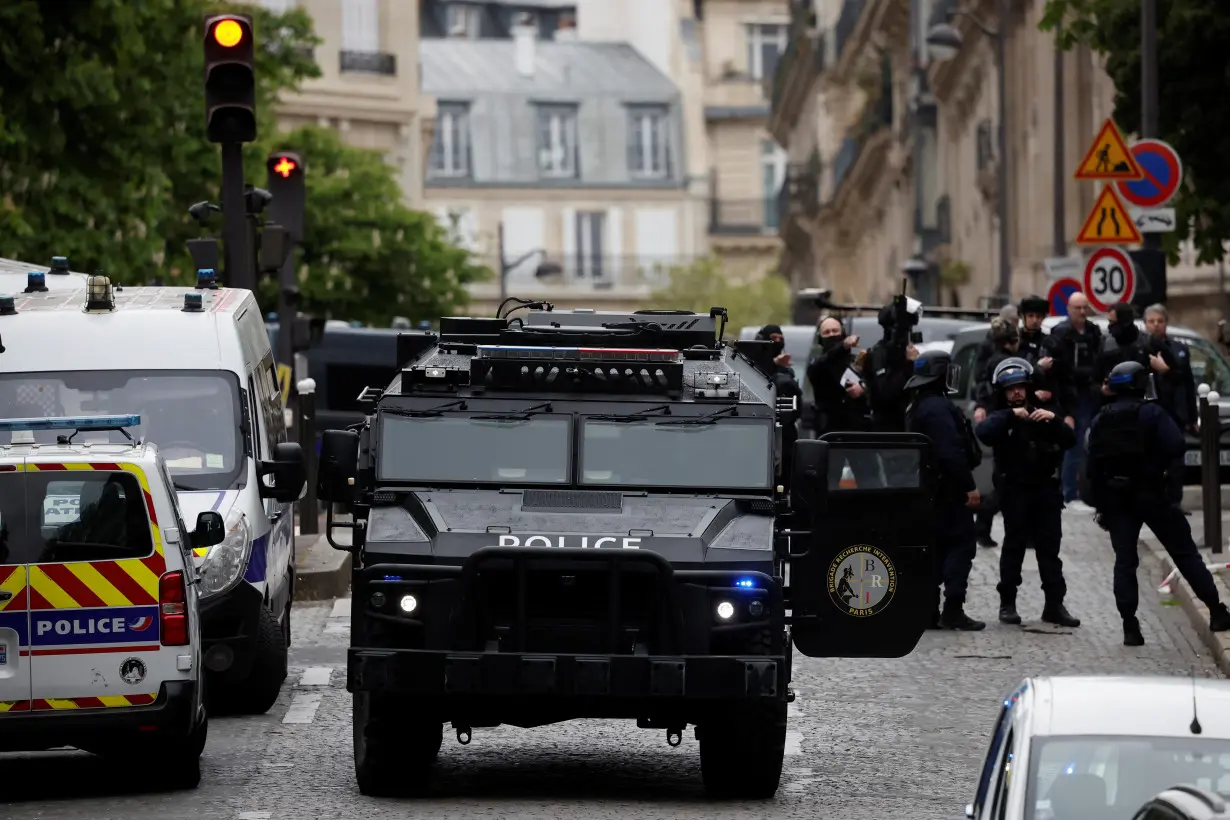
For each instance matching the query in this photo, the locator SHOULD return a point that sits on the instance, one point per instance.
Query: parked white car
(1097, 748)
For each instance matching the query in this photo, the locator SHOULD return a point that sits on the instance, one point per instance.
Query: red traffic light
(285, 167)
(228, 33)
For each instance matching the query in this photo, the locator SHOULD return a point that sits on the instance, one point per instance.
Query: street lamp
(548, 273)
(943, 43)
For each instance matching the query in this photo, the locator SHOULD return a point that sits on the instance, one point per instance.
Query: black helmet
(1011, 372)
(1034, 304)
(1131, 380)
(934, 367)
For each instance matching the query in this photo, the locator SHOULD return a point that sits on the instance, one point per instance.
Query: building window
(765, 44)
(557, 141)
(278, 6)
(463, 21)
(649, 142)
(361, 25)
(450, 150)
(591, 226)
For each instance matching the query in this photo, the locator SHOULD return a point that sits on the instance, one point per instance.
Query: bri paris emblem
(862, 581)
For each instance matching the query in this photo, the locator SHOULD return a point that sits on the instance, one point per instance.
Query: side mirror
(810, 475)
(288, 471)
(339, 466)
(210, 530)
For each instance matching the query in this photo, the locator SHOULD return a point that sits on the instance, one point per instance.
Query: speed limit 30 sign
(1109, 278)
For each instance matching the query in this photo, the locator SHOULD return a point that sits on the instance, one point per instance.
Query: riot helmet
(1033, 304)
(934, 367)
(1131, 380)
(1013, 372)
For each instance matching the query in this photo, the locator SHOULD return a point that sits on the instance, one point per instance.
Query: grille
(570, 500)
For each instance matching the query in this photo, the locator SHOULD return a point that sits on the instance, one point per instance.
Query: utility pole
(1059, 179)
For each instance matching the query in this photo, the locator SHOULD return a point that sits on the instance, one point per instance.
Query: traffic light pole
(237, 249)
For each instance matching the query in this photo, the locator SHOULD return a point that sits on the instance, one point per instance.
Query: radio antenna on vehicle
(1195, 726)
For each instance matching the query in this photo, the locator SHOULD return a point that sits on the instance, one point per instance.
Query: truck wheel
(395, 749)
(270, 666)
(741, 752)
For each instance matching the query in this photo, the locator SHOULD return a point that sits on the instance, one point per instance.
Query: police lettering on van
(572, 541)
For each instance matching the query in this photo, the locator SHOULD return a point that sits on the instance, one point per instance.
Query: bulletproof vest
(1123, 457)
(973, 450)
(885, 386)
(1029, 454)
(1084, 353)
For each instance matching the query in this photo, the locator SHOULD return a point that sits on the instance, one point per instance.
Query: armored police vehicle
(100, 639)
(563, 515)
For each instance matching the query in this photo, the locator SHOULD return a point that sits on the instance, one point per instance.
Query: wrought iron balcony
(368, 62)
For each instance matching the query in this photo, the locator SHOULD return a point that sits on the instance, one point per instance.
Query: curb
(322, 572)
(1218, 643)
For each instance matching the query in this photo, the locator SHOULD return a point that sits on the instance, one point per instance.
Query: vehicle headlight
(225, 563)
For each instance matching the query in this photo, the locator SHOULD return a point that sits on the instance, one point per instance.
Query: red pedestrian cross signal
(285, 167)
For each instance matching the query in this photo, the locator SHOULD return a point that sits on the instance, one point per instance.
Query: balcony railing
(585, 273)
(368, 62)
(851, 11)
(744, 217)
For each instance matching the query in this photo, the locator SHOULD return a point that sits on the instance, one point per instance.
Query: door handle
(5, 595)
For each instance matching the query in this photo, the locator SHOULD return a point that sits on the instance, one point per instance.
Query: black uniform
(1037, 345)
(1123, 343)
(787, 385)
(934, 415)
(888, 370)
(837, 411)
(1028, 455)
(1078, 351)
(1176, 388)
(1132, 446)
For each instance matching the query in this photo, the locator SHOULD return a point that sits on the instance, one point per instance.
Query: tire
(741, 753)
(395, 749)
(178, 764)
(257, 694)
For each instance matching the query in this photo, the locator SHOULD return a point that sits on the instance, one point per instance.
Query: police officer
(1133, 444)
(1028, 438)
(934, 415)
(1050, 382)
(787, 385)
(1079, 340)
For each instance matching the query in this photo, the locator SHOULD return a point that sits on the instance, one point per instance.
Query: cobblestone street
(877, 739)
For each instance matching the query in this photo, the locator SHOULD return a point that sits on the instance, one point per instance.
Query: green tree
(702, 285)
(1193, 63)
(365, 255)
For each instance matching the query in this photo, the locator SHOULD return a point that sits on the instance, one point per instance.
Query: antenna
(1195, 726)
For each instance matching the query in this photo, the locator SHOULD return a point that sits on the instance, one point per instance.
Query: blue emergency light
(72, 423)
(206, 278)
(746, 583)
(36, 282)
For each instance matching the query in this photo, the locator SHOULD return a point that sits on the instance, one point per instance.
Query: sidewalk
(1218, 643)
(321, 572)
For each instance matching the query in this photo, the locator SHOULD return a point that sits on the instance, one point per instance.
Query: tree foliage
(703, 285)
(103, 148)
(1193, 64)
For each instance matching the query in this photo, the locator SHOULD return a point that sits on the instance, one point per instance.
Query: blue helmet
(1012, 372)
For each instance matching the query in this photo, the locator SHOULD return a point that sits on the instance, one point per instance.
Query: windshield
(728, 453)
(1207, 363)
(1099, 778)
(193, 416)
(457, 448)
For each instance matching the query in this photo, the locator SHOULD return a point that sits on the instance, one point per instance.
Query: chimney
(525, 36)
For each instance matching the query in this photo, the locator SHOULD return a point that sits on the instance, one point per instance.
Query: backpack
(1122, 455)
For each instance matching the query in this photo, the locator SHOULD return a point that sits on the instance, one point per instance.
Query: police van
(196, 365)
(100, 639)
(22, 277)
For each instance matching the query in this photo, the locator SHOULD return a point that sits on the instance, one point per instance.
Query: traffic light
(285, 175)
(230, 82)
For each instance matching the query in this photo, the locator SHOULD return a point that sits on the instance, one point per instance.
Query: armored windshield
(534, 450)
(193, 416)
(726, 453)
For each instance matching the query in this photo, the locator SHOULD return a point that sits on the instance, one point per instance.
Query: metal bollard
(1210, 466)
(309, 514)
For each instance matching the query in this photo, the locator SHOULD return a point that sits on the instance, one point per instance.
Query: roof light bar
(72, 423)
(606, 354)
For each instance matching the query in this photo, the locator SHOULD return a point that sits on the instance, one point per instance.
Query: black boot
(954, 617)
(1007, 610)
(985, 540)
(1219, 618)
(1131, 633)
(1056, 613)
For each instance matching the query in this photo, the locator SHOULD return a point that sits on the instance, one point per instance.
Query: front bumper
(173, 715)
(228, 630)
(568, 624)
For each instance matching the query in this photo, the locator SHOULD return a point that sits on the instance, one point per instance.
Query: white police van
(22, 277)
(100, 639)
(195, 364)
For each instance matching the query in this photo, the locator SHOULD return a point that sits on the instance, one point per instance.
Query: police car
(100, 639)
(195, 363)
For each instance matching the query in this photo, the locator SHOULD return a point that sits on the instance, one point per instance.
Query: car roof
(13, 277)
(1112, 705)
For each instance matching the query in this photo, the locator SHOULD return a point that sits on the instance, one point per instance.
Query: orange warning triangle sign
(1109, 223)
(1109, 157)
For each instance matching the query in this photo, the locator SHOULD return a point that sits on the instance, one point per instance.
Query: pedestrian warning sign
(1109, 157)
(1109, 223)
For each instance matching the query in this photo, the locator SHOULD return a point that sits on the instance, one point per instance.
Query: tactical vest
(973, 450)
(1124, 459)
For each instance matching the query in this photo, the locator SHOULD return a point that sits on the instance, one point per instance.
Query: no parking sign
(1059, 294)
